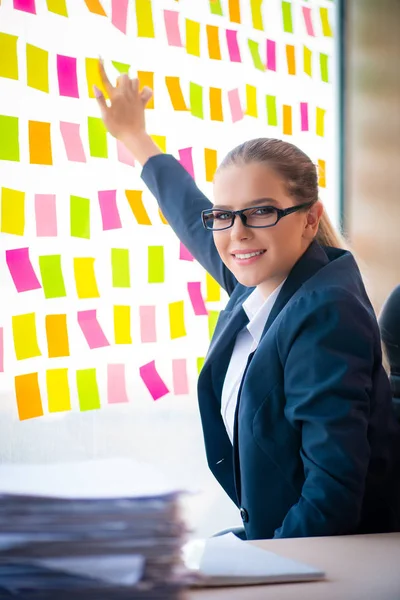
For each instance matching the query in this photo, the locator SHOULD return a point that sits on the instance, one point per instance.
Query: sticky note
(52, 276)
(272, 114)
(29, 401)
(196, 298)
(58, 393)
(95, 7)
(57, 336)
(161, 141)
(177, 319)
(256, 14)
(153, 381)
(109, 210)
(122, 324)
(233, 46)
(97, 134)
(234, 11)
(326, 27)
(67, 76)
(26, 6)
(12, 211)
(235, 105)
(40, 152)
(287, 17)
(321, 173)
(146, 79)
(255, 55)
(8, 56)
(291, 59)
(121, 277)
(184, 253)
(25, 338)
(271, 55)
(163, 219)
(214, 49)
(308, 20)
(156, 264)
(79, 217)
(123, 154)
(147, 316)
(186, 160)
(119, 14)
(192, 37)
(1, 350)
(45, 215)
(88, 390)
(9, 138)
(216, 8)
(37, 67)
(175, 93)
(171, 21)
(72, 141)
(307, 61)
(93, 77)
(213, 289)
(196, 100)
(144, 18)
(323, 64)
(179, 376)
(85, 278)
(200, 362)
(59, 7)
(121, 67)
(211, 160)
(21, 270)
(135, 199)
(320, 121)
(251, 101)
(91, 329)
(287, 120)
(304, 116)
(212, 322)
(116, 385)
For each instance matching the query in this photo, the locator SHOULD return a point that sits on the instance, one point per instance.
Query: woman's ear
(313, 218)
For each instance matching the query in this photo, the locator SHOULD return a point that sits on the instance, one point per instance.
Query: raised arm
(180, 200)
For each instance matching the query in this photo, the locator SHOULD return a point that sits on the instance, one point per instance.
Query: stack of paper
(100, 529)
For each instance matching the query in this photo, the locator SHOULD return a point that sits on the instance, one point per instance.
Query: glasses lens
(261, 217)
(218, 219)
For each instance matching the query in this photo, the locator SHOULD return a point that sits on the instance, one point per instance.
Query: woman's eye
(265, 210)
(222, 216)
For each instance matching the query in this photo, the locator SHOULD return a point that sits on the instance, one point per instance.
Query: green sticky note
(216, 7)
(88, 390)
(97, 138)
(196, 100)
(52, 277)
(121, 277)
(9, 138)
(200, 363)
(37, 66)
(212, 321)
(156, 264)
(121, 67)
(323, 63)
(80, 217)
(8, 56)
(58, 7)
(287, 17)
(272, 115)
(255, 55)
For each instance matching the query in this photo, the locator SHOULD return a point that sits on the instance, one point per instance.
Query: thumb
(101, 101)
(146, 94)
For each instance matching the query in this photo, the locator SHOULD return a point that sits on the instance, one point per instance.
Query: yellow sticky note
(177, 319)
(211, 160)
(287, 120)
(251, 101)
(161, 141)
(146, 79)
(58, 7)
(144, 17)
(320, 121)
(25, 338)
(321, 173)
(291, 59)
(192, 37)
(57, 336)
(85, 278)
(37, 66)
(8, 56)
(307, 61)
(58, 394)
(213, 289)
(326, 27)
(256, 14)
(122, 325)
(216, 104)
(12, 211)
(93, 77)
(175, 93)
(214, 49)
(135, 200)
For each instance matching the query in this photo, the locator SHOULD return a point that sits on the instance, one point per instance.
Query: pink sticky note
(119, 14)
(184, 253)
(1, 350)
(109, 210)
(67, 79)
(116, 386)
(147, 316)
(271, 55)
(72, 141)
(124, 155)
(46, 215)
(91, 329)
(25, 5)
(235, 105)
(153, 381)
(194, 289)
(185, 158)
(179, 376)
(21, 270)
(171, 20)
(308, 21)
(233, 46)
(304, 116)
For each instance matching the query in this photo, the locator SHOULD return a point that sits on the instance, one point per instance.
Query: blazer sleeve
(328, 380)
(181, 203)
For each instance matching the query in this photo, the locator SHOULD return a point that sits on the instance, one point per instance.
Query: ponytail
(329, 236)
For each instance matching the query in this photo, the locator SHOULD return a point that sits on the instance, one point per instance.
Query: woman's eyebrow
(258, 202)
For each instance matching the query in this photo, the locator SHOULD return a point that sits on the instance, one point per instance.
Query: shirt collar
(258, 309)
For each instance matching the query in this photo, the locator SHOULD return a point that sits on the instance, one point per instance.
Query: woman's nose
(238, 230)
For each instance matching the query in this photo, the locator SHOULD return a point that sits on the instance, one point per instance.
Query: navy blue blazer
(316, 447)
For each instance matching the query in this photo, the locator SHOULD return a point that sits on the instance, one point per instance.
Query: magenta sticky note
(171, 20)
(124, 156)
(72, 141)
(91, 329)
(147, 315)
(116, 385)
(196, 298)
(308, 20)
(233, 46)
(235, 105)
(271, 55)
(153, 381)
(184, 253)
(1, 350)
(67, 77)
(109, 210)
(25, 5)
(21, 270)
(304, 116)
(119, 14)
(46, 215)
(186, 160)
(179, 376)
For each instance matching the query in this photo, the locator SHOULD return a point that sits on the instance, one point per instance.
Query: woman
(295, 404)
(389, 322)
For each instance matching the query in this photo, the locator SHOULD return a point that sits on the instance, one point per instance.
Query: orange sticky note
(216, 104)
(287, 120)
(146, 78)
(93, 77)
(175, 93)
(29, 401)
(163, 219)
(291, 59)
(234, 11)
(39, 143)
(210, 158)
(214, 49)
(95, 7)
(57, 335)
(321, 173)
(135, 200)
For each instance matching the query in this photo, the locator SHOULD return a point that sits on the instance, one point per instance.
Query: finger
(101, 101)
(124, 82)
(104, 79)
(135, 85)
(146, 95)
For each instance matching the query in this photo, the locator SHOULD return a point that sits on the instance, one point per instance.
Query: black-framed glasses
(257, 217)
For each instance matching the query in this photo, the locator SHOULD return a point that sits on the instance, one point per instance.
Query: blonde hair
(328, 235)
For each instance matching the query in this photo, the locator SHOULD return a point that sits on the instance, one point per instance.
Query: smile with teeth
(248, 255)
